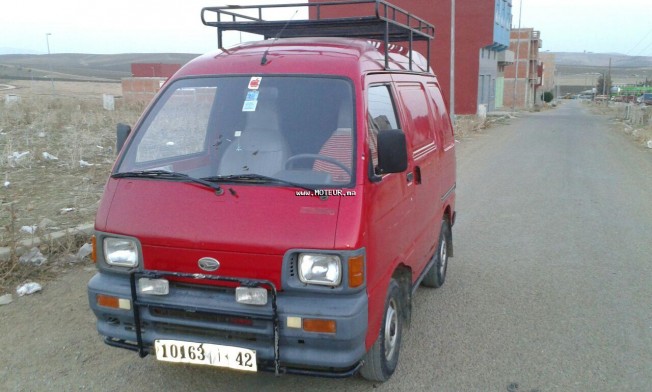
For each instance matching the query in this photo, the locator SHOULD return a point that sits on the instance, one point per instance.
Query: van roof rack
(383, 22)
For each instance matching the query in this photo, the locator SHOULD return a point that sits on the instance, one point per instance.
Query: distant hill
(113, 67)
(602, 60)
(76, 66)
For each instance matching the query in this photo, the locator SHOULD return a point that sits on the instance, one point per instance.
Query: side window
(381, 116)
(420, 132)
(443, 121)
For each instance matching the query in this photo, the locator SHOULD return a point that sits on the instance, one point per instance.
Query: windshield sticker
(237, 134)
(254, 82)
(249, 106)
(252, 96)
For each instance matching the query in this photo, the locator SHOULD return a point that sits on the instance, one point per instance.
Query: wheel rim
(391, 329)
(443, 257)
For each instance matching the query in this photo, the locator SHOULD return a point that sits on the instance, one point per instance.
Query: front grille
(200, 316)
(209, 333)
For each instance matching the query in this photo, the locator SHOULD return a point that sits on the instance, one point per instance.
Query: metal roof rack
(383, 21)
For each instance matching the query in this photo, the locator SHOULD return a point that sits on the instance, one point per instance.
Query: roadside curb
(52, 238)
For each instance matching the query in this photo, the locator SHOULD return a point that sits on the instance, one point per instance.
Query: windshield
(296, 129)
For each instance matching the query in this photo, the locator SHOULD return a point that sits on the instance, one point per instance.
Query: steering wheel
(318, 157)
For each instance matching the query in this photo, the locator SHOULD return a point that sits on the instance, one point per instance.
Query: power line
(639, 42)
(644, 49)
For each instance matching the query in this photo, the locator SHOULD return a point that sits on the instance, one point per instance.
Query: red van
(279, 202)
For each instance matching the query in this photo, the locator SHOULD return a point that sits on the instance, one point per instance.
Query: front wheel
(382, 359)
(436, 276)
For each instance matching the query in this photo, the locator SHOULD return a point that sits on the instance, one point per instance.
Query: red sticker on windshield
(254, 83)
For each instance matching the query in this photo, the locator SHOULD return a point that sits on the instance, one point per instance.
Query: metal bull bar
(137, 303)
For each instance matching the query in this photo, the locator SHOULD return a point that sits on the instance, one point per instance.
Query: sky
(599, 26)
(147, 26)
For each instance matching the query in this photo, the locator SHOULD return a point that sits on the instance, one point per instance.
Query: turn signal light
(356, 271)
(319, 325)
(113, 302)
(94, 251)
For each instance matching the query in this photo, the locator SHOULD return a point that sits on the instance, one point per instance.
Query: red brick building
(482, 33)
(153, 70)
(523, 78)
(146, 80)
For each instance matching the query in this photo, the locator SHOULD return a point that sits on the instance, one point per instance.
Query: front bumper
(209, 314)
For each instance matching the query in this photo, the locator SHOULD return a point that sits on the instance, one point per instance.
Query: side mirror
(392, 152)
(122, 133)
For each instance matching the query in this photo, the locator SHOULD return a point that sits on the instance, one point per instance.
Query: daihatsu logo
(208, 264)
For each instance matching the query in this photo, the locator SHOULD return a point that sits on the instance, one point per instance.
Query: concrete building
(523, 78)
(549, 82)
(482, 38)
(481, 41)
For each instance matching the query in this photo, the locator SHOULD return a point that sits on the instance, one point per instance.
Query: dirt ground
(639, 133)
(57, 152)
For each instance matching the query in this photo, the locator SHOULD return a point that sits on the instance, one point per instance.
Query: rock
(45, 223)
(6, 299)
(649, 144)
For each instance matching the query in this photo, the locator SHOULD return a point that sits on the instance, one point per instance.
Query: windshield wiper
(255, 178)
(168, 175)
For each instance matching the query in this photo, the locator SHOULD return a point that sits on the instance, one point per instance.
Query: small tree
(547, 96)
(604, 85)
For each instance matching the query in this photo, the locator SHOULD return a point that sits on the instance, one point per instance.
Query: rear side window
(381, 116)
(441, 116)
(416, 106)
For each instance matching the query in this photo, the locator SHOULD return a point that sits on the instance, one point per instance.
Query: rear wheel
(382, 359)
(436, 276)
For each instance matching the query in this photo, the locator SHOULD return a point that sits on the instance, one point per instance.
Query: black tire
(381, 360)
(436, 276)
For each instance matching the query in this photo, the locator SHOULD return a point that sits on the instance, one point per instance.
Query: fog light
(153, 286)
(294, 322)
(251, 295)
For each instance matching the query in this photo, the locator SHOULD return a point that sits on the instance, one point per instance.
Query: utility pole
(452, 82)
(47, 41)
(518, 60)
(609, 78)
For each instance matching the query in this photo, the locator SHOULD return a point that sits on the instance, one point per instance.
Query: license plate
(206, 354)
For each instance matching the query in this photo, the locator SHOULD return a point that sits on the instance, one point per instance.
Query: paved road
(550, 288)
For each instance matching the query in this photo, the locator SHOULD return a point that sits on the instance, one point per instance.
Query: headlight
(322, 269)
(122, 252)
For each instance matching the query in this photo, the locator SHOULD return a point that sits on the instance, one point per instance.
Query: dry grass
(640, 133)
(468, 125)
(54, 194)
